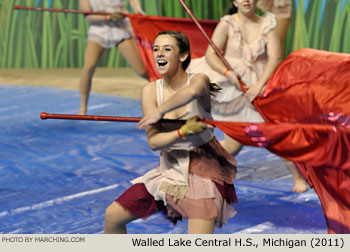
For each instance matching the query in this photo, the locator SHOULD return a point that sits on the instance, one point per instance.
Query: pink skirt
(210, 194)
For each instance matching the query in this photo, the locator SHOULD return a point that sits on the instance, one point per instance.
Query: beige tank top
(193, 109)
(171, 176)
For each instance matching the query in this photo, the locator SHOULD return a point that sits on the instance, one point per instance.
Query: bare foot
(300, 186)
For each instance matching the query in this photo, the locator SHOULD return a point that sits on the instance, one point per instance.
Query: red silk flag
(306, 105)
(146, 28)
(310, 90)
(321, 150)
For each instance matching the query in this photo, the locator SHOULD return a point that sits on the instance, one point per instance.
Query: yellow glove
(192, 126)
(115, 16)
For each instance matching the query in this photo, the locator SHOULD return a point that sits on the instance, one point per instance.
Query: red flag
(321, 150)
(146, 28)
(306, 105)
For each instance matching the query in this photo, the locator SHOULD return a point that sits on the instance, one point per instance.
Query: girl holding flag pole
(195, 175)
(252, 48)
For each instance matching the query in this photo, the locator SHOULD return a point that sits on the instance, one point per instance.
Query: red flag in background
(146, 28)
(306, 106)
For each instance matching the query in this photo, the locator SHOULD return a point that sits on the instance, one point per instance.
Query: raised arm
(274, 59)
(85, 6)
(199, 86)
(135, 5)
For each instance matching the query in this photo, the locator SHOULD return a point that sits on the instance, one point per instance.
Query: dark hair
(233, 9)
(182, 42)
(184, 45)
(214, 88)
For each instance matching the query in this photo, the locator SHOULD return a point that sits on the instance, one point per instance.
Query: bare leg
(198, 226)
(300, 184)
(116, 218)
(231, 145)
(93, 53)
(128, 48)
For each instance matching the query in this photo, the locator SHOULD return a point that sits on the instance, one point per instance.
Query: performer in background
(195, 175)
(282, 9)
(106, 32)
(252, 48)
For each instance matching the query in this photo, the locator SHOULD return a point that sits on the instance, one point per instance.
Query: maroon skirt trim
(139, 202)
(227, 192)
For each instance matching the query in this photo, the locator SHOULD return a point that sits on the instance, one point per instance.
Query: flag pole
(45, 116)
(188, 10)
(217, 51)
(17, 7)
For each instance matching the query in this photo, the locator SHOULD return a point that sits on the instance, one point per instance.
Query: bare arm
(135, 5)
(219, 38)
(265, 5)
(156, 139)
(199, 86)
(274, 59)
(85, 6)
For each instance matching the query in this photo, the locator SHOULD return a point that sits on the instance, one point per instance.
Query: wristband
(180, 134)
(106, 17)
(226, 71)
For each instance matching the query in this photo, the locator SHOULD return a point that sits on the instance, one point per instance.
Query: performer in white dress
(106, 32)
(252, 48)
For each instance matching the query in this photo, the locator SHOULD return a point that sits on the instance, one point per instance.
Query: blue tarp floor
(58, 176)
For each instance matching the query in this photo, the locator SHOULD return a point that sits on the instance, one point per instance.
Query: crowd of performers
(297, 108)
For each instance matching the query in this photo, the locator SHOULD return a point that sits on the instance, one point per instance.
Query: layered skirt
(210, 192)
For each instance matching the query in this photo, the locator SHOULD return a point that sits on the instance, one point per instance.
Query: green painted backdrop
(34, 39)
